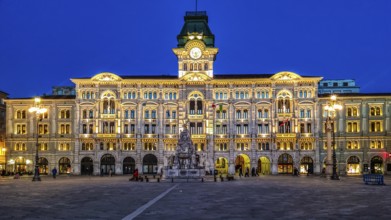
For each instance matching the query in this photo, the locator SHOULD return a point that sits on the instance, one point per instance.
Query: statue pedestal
(196, 173)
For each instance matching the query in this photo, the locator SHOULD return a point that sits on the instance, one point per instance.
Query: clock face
(195, 53)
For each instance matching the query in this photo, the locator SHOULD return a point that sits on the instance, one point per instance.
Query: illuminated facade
(270, 122)
(3, 151)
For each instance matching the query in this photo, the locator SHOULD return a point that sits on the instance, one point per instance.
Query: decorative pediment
(195, 77)
(285, 76)
(106, 77)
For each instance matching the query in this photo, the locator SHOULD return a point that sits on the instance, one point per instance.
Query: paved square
(265, 197)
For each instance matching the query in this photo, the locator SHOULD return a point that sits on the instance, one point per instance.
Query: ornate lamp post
(331, 109)
(38, 110)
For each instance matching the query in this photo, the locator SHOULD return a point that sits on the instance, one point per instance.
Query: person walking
(54, 172)
(110, 172)
(101, 172)
(240, 172)
(247, 174)
(135, 175)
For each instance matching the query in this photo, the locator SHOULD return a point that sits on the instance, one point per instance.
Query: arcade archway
(353, 165)
(307, 165)
(242, 162)
(129, 165)
(107, 163)
(221, 165)
(150, 164)
(43, 165)
(264, 166)
(87, 165)
(377, 165)
(64, 165)
(285, 164)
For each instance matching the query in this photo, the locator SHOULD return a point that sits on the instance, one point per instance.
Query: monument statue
(185, 164)
(185, 153)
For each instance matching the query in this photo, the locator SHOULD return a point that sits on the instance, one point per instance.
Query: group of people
(102, 172)
(247, 173)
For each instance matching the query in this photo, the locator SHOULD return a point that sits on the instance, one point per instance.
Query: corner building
(271, 122)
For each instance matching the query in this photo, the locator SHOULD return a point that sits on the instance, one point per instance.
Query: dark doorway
(87, 166)
(129, 165)
(107, 163)
(149, 164)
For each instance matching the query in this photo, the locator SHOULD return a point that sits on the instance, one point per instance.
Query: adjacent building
(338, 86)
(270, 122)
(3, 149)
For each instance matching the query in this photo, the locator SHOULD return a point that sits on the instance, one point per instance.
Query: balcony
(128, 135)
(107, 115)
(221, 135)
(242, 136)
(171, 136)
(263, 135)
(306, 135)
(86, 135)
(196, 117)
(286, 135)
(106, 135)
(198, 136)
(150, 136)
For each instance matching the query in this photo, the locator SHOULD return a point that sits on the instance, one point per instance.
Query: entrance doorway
(377, 165)
(87, 166)
(307, 165)
(43, 165)
(285, 164)
(150, 164)
(107, 163)
(64, 165)
(129, 165)
(20, 165)
(242, 163)
(221, 165)
(264, 166)
(353, 165)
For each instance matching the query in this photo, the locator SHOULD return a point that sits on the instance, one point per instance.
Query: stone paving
(265, 197)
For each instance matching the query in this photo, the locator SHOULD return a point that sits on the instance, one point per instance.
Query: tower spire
(196, 9)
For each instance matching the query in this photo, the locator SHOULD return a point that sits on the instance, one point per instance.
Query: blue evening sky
(44, 43)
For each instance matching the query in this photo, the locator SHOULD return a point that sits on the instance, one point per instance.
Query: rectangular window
(237, 129)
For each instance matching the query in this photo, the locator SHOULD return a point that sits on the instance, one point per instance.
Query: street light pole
(37, 110)
(36, 169)
(332, 108)
(334, 176)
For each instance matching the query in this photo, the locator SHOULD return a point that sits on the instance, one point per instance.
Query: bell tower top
(196, 22)
(195, 50)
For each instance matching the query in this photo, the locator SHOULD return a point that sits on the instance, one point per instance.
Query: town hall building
(272, 122)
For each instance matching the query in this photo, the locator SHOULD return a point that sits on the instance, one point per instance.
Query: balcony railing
(290, 135)
(107, 115)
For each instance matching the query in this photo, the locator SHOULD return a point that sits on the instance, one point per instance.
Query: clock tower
(195, 50)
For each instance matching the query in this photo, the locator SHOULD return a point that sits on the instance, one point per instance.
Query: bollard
(202, 179)
(146, 179)
(158, 180)
(172, 180)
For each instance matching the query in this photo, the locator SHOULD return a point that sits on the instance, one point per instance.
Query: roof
(354, 94)
(48, 97)
(196, 22)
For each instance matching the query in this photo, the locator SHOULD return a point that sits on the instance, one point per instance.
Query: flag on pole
(213, 105)
(221, 107)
